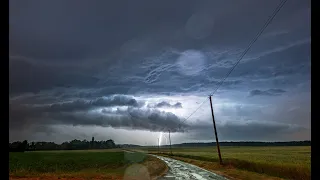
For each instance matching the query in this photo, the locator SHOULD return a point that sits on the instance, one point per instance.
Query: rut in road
(184, 171)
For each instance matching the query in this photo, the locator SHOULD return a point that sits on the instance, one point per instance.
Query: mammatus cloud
(269, 92)
(165, 104)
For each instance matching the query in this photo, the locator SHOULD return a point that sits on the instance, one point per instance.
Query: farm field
(289, 162)
(94, 164)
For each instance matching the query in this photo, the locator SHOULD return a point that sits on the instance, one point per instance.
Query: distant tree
(92, 143)
(110, 143)
(18, 146)
(25, 145)
(32, 146)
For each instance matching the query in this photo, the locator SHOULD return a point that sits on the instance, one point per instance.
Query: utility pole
(158, 146)
(170, 143)
(215, 131)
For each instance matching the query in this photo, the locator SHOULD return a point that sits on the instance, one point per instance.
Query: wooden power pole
(170, 143)
(215, 132)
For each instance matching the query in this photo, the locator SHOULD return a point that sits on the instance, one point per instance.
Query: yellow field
(284, 162)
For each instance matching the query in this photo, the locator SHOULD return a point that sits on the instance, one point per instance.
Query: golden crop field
(293, 162)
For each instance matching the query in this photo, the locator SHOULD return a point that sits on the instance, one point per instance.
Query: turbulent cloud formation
(165, 104)
(269, 92)
(81, 112)
(143, 67)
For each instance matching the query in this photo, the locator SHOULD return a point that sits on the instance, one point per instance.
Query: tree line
(75, 144)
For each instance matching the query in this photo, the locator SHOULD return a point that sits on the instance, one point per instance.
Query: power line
(275, 12)
(192, 113)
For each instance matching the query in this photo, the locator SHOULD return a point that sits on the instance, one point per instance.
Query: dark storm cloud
(27, 77)
(269, 92)
(165, 104)
(78, 112)
(136, 119)
(66, 60)
(78, 47)
(21, 112)
(80, 105)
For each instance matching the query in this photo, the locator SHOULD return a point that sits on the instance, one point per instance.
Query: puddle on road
(181, 170)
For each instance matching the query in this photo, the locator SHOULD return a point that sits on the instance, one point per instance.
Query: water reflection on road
(181, 170)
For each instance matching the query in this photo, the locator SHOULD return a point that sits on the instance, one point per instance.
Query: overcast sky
(129, 70)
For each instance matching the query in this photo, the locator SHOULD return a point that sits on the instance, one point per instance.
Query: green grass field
(73, 163)
(285, 162)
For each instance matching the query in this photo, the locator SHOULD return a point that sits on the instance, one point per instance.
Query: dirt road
(181, 170)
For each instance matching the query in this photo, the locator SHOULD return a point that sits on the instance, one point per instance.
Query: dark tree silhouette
(84, 144)
(71, 145)
(92, 143)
